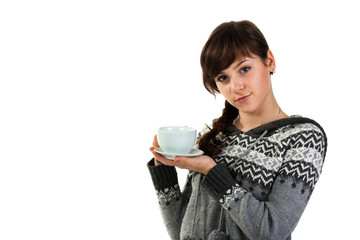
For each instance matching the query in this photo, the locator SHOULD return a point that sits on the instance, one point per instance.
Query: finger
(162, 159)
(182, 162)
(177, 159)
(191, 163)
(155, 142)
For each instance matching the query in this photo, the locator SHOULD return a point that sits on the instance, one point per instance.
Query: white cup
(176, 139)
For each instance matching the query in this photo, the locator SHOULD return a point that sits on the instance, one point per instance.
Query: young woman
(260, 165)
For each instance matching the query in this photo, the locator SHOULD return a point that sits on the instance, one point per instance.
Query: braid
(211, 142)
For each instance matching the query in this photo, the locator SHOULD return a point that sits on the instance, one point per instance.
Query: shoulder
(304, 128)
(305, 133)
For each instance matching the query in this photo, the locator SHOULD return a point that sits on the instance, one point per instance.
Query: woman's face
(246, 83)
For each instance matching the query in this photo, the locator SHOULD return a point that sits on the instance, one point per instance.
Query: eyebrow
(241, 62)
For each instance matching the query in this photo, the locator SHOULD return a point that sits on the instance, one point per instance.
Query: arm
(276, 217)
(172, 201)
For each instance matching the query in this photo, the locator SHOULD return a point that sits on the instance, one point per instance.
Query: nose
(237, 84)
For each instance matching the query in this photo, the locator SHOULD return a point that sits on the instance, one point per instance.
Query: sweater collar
(272, 126)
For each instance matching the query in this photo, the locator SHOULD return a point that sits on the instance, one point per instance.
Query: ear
(271, 61)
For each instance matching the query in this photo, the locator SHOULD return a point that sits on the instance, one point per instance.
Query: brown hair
(228, 42)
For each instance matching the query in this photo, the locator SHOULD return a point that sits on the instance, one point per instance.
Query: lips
(243, 99)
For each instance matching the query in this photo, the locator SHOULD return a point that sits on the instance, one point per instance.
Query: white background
(85, 84)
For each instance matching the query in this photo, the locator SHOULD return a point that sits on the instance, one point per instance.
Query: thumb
(155, 142)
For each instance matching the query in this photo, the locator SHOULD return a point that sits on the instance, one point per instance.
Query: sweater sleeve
(276, 217)
(172, 201)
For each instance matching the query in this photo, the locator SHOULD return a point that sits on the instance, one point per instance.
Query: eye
(244, 69)
(221, 78)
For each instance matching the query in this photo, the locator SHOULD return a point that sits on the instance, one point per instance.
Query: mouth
(243, 99)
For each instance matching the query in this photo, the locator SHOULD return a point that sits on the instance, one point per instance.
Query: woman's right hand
(155, 145)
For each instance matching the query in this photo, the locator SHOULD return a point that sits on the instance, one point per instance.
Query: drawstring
(221, 218)
(196, 182)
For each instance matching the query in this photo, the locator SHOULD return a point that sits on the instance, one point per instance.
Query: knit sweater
(258, 190)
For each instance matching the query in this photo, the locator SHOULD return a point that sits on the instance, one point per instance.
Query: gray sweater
(258, 190)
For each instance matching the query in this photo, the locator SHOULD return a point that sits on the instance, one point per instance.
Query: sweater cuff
(218, 180)
(162, 176)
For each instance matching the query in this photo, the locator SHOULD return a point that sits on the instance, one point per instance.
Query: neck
(248, 121)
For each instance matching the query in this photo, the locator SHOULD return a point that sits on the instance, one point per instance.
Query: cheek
(223, 89)
(262, 83)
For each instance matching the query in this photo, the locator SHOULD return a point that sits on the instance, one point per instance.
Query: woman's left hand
(201, 164)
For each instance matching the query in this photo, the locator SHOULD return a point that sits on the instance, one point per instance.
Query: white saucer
(193, 153)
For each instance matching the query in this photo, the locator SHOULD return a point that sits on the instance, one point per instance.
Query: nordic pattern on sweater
(264, 194)
(260, 166)
(167, 194)
(302, 147)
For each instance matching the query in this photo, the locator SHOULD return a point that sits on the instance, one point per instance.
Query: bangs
(222, 52)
